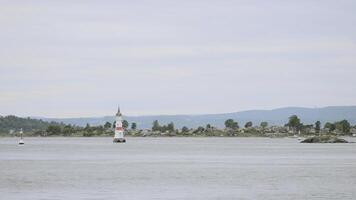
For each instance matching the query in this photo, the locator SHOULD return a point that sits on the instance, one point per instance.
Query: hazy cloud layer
(82, 58)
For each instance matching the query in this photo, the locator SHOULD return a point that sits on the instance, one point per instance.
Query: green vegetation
(156, 126)
(125, 124)
(53, 130)
(232, 129)
(231, 124)
(264, 124)
(317, 127)
(329, 126)
(107, 125)
(294, 123)
(185, 129)
(10, 125)
(165, 128)
(342, 126)
(133, 126)
(248, 125)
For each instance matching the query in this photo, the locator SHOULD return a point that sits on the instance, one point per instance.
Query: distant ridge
(273, 117)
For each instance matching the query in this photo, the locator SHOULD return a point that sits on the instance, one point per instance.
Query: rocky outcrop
(324, 139)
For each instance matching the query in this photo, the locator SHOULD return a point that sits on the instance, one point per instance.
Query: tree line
(37, 127)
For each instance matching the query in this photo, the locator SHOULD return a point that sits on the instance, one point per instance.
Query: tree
(11, 122)
(230, 123)
(208, 127)
(125, 124)
(163, 128)
(88, 134)
(185, 129)
(53, 130)
(133, 126)
(294, 122)
(87, 127)
(170, 127)
(264, 124)
(343, 126)
(107, 125)
(200, 129)
(317, 126)
(67, 130)
(330, 126)
(156, 126)
(248, 125)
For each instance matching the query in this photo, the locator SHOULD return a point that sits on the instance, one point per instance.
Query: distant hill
(273, 117)
(14, 123)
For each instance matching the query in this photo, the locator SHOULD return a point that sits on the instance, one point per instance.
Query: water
(176, 168)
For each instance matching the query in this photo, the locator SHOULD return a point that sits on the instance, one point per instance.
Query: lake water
(176, 168)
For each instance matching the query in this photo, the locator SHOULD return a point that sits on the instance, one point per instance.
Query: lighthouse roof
(118, 111)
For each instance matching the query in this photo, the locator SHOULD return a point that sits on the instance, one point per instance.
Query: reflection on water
(176, 168)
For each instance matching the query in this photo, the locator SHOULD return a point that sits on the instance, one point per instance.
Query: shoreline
(129, 136)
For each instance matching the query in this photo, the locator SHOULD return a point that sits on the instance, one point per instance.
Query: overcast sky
(83, 58)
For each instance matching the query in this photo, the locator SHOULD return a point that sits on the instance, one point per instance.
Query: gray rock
(324, 139)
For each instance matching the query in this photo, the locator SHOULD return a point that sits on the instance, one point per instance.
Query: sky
(83, 58)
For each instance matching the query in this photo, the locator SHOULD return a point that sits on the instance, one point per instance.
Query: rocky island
(324, 139)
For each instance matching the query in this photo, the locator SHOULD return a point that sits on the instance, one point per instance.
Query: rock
(324, 139)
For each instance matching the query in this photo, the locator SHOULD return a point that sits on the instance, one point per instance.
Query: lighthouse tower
(119, 130)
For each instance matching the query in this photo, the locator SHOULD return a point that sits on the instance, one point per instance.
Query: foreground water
(176, 168)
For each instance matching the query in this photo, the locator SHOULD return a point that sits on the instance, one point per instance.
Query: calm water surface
(176, 168)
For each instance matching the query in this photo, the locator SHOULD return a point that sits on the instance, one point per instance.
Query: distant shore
(16, 126)
(196, 136)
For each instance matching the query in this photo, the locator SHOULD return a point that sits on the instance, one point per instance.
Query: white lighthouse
(119, 130)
